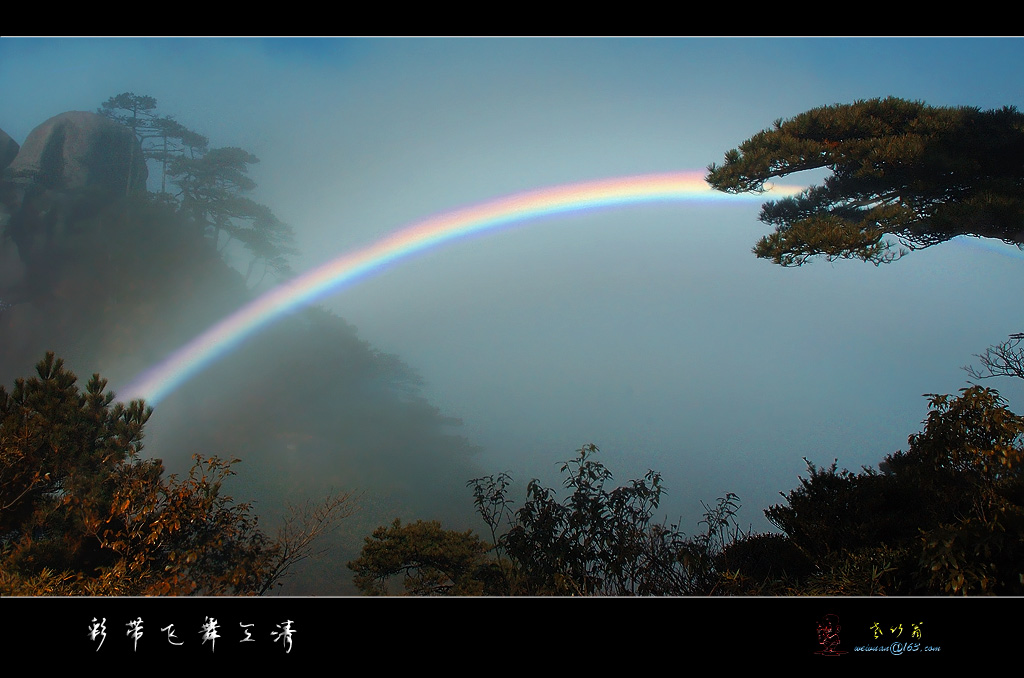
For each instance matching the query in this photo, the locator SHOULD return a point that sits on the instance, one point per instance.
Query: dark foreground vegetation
(81, 512)
(944, 517)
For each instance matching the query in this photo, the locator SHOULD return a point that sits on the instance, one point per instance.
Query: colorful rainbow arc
(163, 378)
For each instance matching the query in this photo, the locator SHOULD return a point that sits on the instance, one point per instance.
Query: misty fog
(651, 331)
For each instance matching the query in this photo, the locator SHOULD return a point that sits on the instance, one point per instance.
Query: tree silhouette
(595, 541)
(212, 184)
(946, 516)
(919, 173)
(430, 560)
(171, 139)
(212, 193)
(136, 112)
(81, 512)
(1005, 359)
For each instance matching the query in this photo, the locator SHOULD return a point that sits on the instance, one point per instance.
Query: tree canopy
(594, 541)
(212, 184)
(81, 512)
(138, 113)
(431, 560)
(920, 174)
(946, 516)
(212, 194)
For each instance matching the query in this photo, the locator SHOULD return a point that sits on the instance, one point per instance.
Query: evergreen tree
(136, 112)
(212, 193)
(82, 513)
(919, 173)
(946, 516)
(171, 139)
(212, 185)
(431, 561)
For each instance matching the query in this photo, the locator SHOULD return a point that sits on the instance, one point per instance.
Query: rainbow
(981, 244)
(163, 378)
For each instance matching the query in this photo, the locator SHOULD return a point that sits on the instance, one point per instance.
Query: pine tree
(213, 188)
(919, 173)
(82, 513)
(136, 112)
(212, 184)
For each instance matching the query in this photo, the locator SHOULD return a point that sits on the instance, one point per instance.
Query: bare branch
(1005, 359)
(303, 526)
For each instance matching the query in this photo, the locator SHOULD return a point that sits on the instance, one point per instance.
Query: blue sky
(652, 332)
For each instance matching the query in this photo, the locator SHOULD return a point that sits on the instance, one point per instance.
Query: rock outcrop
(8, 149)
(79, 149)
(67, 170)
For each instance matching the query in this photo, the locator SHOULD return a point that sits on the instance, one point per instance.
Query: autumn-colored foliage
(82, 513)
